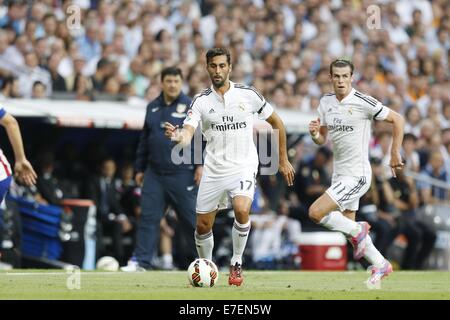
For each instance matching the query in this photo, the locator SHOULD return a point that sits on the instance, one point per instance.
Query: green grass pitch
(258, 285)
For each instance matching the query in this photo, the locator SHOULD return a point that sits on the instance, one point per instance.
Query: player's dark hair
(341, 63)
(218, 52)
(171, 71)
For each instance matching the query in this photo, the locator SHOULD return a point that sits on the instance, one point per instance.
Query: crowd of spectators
(281, 47)
(116, 49)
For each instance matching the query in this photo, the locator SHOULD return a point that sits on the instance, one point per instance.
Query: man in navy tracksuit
(163, 181)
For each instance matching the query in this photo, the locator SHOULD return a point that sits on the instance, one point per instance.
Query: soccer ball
(107, 263)
(203, 273)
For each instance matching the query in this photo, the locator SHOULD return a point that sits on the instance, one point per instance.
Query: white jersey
(5, 168)
(349, 127)
(227, 125)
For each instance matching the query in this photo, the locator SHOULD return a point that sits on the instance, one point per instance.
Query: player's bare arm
(318, 132)
(285, 167)
(23, 169)
(398, 123)
(181, 136)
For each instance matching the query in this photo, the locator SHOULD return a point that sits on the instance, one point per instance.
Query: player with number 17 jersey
(231, 156)
(226, 111)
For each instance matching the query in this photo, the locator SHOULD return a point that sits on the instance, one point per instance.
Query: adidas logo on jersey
(211, 111)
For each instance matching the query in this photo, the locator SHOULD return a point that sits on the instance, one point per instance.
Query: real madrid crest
(181, 108)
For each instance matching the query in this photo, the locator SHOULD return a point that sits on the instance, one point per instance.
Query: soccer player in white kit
(346, 116)
(226, 111)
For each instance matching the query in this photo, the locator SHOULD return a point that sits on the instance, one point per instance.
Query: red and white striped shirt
(5, 167)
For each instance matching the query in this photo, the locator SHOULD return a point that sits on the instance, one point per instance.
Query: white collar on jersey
(349, 96)
(229, 89)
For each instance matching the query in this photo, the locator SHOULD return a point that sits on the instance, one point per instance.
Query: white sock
(167, 258)
(336, 221)
(240, 234)
(204, 244)
(372, 254)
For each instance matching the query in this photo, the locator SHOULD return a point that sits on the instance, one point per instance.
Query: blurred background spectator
(112, 220)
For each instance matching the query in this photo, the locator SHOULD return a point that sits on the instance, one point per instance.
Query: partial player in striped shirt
(345, 116)
(23, 171)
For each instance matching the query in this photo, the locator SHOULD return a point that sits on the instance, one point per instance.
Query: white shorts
(216, 193)
(347, 190)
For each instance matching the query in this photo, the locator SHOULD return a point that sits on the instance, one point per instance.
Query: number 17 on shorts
(217, 192)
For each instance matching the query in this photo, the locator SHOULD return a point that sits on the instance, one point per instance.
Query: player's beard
(219, 83)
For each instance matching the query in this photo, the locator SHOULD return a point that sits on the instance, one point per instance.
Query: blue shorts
(4, 186)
